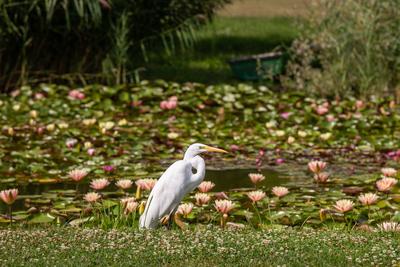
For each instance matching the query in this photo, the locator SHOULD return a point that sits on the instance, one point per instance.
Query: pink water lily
(280, 191)
(386, 184)
(92, 197)
(344, 205)
(202, 199)
(146, 184)
(256, 196)
(316, 166)
(224, 206)
(99, 184)
(368, 199)
(9, 196)
(78, 174)
(389, 172)
(124, 184)
(205, 186)
(256, 177)
(185, 209)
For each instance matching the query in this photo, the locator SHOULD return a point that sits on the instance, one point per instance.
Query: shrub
(43, 38)
(348, 47)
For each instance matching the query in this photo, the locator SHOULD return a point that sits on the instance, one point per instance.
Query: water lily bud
(87, 145)
(10, 131)
(291, 140)
(33, 114)
(270, 124)
(302, 133)
(280, 133)
(325, 136)
(173, 135)
(122, 122)
(16, 107)
(50, 127)
(88, 122)
(63, 125)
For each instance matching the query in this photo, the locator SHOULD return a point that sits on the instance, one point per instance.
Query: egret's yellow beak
(214, 149)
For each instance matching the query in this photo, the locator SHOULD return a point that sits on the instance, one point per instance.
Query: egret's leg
(178, 222)
(165, 220)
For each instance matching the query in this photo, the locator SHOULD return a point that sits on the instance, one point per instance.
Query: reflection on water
(238, 178)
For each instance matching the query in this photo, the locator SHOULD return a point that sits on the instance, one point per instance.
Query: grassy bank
(225, 38)
(207, 247)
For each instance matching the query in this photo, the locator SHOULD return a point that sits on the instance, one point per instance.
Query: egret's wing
(167, 193)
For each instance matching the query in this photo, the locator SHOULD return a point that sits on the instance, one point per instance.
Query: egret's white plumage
(174, 184)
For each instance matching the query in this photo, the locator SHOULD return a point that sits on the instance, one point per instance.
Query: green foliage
(46, 38)
(349, 47)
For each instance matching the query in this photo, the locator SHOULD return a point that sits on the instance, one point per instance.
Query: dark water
(226, 180)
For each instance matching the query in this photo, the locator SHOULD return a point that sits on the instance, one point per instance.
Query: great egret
(174, 184)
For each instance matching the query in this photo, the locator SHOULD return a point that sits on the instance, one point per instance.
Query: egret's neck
(189, 154)
(200, 166)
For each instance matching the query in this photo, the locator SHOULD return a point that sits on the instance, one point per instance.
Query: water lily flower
(321, 110)
(344, 205)
(129, 204)
(91, 151)
(76, 95)
(316, 166)
(50, 127)
(389, 172)
(302, 133)
(270, 124)
(359, 104)
(71, 142)
(330, 118)
(39, 96)
(9, 196)
(10, 131)
(291, 140)
(224, 206)
(87, 144)
(108, 125)
(280, 191)
(124, 184)
(77, 174)
(185, 209)
(389, 227)
(33, 114)
(221, 195)
(63, 125)
(368, 199)
(234, 148)
(279, 161)
(386, 184)
(202, 199)
(109, 168)
(280, 133)
(205, 186)
(171, 103)
(256, 177)
(88, 122)
(256, 196)
(92, 197)
(325, 136)
(146, 184)
(285, 115)
(99, 184)
(321, 177)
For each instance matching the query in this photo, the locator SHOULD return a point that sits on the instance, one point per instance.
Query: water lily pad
(42, 218)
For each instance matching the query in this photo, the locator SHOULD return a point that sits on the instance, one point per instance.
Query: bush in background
(348, 47)
(45, 39)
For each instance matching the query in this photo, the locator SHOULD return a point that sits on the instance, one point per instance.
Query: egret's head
(197, 148)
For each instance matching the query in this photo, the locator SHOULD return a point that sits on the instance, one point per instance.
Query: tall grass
(95, 39)
(349, 47)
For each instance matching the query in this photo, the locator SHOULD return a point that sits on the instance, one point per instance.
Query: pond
(50, 191)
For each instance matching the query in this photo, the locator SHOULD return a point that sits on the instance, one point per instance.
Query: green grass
(206, 247)
(225, 38)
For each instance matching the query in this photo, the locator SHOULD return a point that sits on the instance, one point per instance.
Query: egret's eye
(201, 147)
